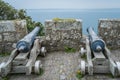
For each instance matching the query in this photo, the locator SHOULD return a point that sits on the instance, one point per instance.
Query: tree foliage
(7, 12)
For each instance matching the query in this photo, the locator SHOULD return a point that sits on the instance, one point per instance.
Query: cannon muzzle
(96, 43)
(25, 44)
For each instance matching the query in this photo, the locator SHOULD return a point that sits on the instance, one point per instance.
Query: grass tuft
(79, 75)
(41, 72)
(5, 78)
(4, 54)
(69, 49)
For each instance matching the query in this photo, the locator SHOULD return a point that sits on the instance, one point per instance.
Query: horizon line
(69, 8)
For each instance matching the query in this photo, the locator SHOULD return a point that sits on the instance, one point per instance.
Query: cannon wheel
(37, 67)
(118, 66)
(82, 67)
(2, 65)
(43, 51)
(82, 51)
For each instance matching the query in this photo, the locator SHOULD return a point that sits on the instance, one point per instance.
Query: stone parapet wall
(11, 31)
(63, 34)
(109, 30)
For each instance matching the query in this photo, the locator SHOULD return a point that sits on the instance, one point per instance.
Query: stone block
(11, 31)
(109, 30)
(61, 34)
(9, 37)
(0, 38)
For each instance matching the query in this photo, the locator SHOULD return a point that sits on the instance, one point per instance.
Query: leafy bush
(7, 12)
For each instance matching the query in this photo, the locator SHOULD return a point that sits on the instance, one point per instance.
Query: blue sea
(89, 17)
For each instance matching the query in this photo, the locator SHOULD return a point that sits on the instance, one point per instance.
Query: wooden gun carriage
(23, 57)
(98, 57)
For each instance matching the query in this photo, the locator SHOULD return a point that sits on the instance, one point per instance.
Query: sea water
(89, 17)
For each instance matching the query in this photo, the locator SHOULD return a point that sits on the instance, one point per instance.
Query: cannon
(25, 44)
(96, 43)
(25, 63)
(98, 57)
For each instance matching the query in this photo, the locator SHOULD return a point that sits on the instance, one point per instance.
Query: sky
(63, 4)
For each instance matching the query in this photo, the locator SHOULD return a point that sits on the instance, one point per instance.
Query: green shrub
(7, 12)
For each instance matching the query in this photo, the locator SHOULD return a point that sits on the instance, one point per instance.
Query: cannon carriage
(98, 56)
(23, 58)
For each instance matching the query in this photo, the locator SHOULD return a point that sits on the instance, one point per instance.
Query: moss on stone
(64, 20)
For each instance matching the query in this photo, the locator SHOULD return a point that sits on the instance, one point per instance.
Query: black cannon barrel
(96, 43)
(25, 44)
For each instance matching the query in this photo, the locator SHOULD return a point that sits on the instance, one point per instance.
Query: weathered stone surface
(10, 32)
(109, 30)
(61, 64)
(61, 34)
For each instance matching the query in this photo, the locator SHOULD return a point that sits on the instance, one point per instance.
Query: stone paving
(56, 65)
(62, 66)
(116, 55)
